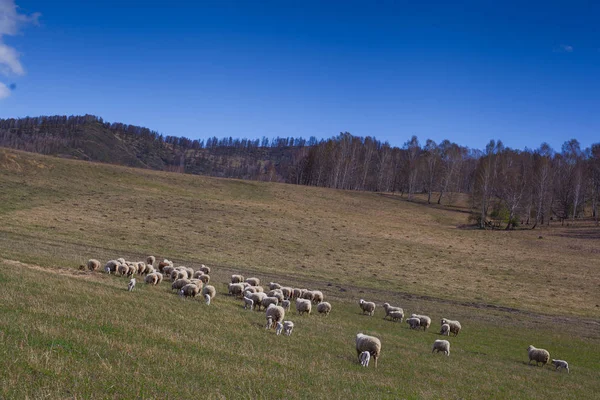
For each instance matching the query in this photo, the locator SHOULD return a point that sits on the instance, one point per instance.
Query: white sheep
(248, 303)
(388, 309)
(180, 283)
(364, 358)
(317, 296)
(257, 298)
(198, 274)
(296, 293)
(111, 266)
(455, 326)
(303, 306)
(414, 323)
(396, 315)
(288, 327)
(267, 301)
(236, 289)
(237, 278)
(367, 307)
(151, 279)
(445, 330)
(204, 269)
(210, 291)
(538, 355)
(287, 292)
(324, 308)
(274, 314)
(370, 344)
(560, 364)
(150, 260)
(425, 320)
(308, 295)
(278, 328)
(189, 290)
(93, 265)
(441, 345)
(253, 281)
(273, 285)
(286, 305)
(131, 284)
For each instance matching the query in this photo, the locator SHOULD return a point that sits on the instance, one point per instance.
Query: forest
(507, 187)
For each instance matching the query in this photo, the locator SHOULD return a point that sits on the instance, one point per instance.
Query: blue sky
(464, 71)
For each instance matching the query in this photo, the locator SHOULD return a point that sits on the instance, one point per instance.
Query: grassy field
(71, 334)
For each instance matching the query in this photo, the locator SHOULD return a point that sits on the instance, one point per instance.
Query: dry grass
(510, 289)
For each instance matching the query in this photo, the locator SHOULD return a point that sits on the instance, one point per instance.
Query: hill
(67, 333)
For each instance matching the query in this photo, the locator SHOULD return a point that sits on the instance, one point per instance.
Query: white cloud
(4, 91)
(10, 22)
(563, 48)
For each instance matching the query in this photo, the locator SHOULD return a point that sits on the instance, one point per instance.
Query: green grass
(71, 334)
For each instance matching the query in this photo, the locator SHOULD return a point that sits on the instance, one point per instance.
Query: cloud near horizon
(10, 22)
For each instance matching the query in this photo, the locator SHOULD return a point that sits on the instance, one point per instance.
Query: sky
(521, 72)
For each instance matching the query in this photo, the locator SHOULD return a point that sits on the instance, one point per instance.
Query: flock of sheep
(277, 300)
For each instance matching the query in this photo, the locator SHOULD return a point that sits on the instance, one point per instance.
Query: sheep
(274, 314)
(132, 269)
(167, 270)
(179, 274)
(253, 281)
(248, 303)
(197, 282)
(198, 274)
(425, 320)
(286, 305)
(560, 364)
(235, 289)
(111, 266)
(414, 323)
(131, 284)
(141, 267)
(93, 265)
(209, 290)
(396, 315)
(276, 293)
(308, 295)
(370, 344)
(150, 269)
(288, 327)
(205, 279)
(160, 277)
(180, 283)
(367, 306)
(364, 358)
(538, 355)
(237, 278)
(189, 290)
(204, 269)
(287, 292)
(123, 269)
(150, 260)
(324, 308)
(441, 345)
(267, 301)
(317, 296)
(250, 289)
(278, 328)
(257, 299)
(388, 308)
(273, 285)
(121, 260)
(454, 325)
(296, 293)
(163, 264)
(151, 279)
(190, 271)
(258, 289)
(445, 330)
(303, 306)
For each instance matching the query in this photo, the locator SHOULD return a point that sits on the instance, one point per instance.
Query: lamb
(204, 269)
(364, 358)
(317, 296)
(237, 278)
(441, 345)
(273, 285)
(151, 279)
(303, 306)
(396, 315)
(414, 323)
(267, 301)
(388, 309)
(253, 281)
(286, 305)
(274, 314)
(454, 325)
(189, 290)
(207, 299)
(131, 284)
(538, 355)
(93, 265)
(180, 283)
(288, 327)
(324, 308)
(235, 289)
(425, 320)
(150, 260)
(445, 330)
(367, 306)
(248, 303)
(370, 344)
(278, 328)
(210, 291)
(560, 364)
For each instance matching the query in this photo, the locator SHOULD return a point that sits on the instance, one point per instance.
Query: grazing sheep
(296, 293)
(168, 270)
(425, 320)
(123, 269)
(287, 292)
(441, 345)
(204, 269)
(324, 308)
(267, 301)
(560, 364)
(445, 330)
(288, 327)
(454, 325)
(151, 279)
(273, 285)
(286, 305)
(317, 296)
(150, 260)
(253, 281)
(190, 271)
(235, 289)
(250, 289)
(197, 282)
(370, 344)
(367, 307)
(388, 309)
(303, 306)
(248, 303)
(189, 290)
(276, 293)
(257, 298)
(308, 295)
(237, 278)
(414, 323)
(163, 264)
(111, 266)
(209, 290)
(278, 328)
(364, 358)
(121, 260)
(179, 274)
(180, 283)
(205, 279)
(258, 289)
(141, 267)
(274, 314)
(160, 277)
(538, 355)
(93, 265)
(396, 315)
(131, 284)
(198, 274)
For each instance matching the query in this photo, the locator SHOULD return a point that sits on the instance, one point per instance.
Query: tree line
(508, 186)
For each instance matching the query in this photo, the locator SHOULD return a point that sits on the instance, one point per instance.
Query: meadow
(66, 333)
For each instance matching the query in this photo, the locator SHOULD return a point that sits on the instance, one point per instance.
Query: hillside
(80, 334)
